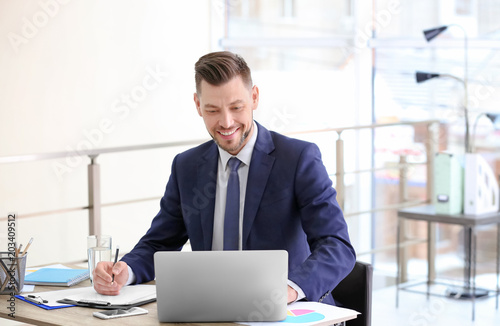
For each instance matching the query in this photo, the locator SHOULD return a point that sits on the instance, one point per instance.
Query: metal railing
(94, 176)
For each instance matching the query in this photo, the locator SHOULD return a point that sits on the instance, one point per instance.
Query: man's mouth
(228, 133)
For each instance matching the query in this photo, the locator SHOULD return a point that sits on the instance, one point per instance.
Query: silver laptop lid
(205, 286)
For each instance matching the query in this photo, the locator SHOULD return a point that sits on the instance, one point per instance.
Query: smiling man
(271, 192)
(227, 109)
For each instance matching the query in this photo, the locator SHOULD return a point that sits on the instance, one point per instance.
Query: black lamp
(495, 119)
(424, 76)
(430, 34)
(433, 32)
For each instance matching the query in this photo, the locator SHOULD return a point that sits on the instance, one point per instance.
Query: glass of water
(98, 249)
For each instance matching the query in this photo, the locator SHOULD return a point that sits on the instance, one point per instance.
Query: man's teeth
(228, 133)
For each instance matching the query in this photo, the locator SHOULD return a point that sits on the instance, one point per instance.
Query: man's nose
(226, 120)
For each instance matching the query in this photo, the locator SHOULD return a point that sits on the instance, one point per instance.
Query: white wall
(67, 68)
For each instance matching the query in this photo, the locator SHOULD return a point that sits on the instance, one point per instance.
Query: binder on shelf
(448, 183)
(481, 186)
(57, 276)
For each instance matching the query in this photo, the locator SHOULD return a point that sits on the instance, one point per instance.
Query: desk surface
(28, 313)
(31, 314)
(428, 213)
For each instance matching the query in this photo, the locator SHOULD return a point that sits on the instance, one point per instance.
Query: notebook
(130, 296)
(221, 286)
(57, 276)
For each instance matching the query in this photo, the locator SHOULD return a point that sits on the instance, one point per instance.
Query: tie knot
(234, 163)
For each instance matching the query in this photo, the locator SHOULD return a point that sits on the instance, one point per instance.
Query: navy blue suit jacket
(290, 204)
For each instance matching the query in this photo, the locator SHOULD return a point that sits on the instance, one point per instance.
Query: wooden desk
(31, 314)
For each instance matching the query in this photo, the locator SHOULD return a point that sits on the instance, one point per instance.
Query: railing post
(431, 150)
(403, 226)
(94, 184)
(340, 186)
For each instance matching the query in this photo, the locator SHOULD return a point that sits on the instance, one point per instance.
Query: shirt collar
(245, 155)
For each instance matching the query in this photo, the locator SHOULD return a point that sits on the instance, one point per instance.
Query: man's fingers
(119, 267)
(105, 287)
(103, 270)
(292, 295)
(103, 277)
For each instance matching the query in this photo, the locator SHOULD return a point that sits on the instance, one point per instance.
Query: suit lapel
(258, 174)
(206, 185)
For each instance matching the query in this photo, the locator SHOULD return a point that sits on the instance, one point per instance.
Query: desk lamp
(430, 34)
(482, 194)
(424, 76)
(493, 117)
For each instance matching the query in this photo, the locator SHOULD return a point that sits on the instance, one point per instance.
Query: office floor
(415, 310)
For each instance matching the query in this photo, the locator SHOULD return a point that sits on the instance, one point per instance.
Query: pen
(116, 259)
(36, 299)
(18, 250)
(27, 246)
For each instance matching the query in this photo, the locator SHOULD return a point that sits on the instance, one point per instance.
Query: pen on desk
(36, 299)
(27, 246)
(116, 259)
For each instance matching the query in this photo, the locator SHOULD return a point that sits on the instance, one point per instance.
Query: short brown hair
(217, 68)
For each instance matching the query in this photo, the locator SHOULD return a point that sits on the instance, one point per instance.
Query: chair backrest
(355, 292)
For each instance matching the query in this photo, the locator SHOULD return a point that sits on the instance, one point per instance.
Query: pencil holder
(12, 271)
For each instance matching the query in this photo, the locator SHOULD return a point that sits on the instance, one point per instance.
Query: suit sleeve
(167, 233)
(332, 255)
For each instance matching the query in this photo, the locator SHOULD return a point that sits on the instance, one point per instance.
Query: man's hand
(292, 294)
(103, 276)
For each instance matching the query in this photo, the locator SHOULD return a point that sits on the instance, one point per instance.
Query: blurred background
(92, 75)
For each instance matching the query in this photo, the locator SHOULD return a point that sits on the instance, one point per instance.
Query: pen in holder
(12, 271)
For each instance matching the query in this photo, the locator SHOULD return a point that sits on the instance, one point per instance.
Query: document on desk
(130, 296)
(45, 300)
(134, 295)
(310, 314)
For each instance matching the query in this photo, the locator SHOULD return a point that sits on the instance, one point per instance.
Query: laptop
(221, 286)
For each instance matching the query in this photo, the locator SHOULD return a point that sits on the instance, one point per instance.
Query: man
(286, 199)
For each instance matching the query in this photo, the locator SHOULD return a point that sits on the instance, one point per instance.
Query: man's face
(227, 111)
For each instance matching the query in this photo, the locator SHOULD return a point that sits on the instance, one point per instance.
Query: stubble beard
(236, 146)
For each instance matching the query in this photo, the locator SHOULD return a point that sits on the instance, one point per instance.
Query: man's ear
(197, 103)
(255, 97)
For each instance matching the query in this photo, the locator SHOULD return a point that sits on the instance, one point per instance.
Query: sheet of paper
(53, 296)
(309, 314)
(128, 295)
(28, 288)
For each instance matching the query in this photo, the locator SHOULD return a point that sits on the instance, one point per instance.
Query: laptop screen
(205, 286)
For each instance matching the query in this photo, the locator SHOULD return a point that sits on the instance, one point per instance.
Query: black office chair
(355, 292)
